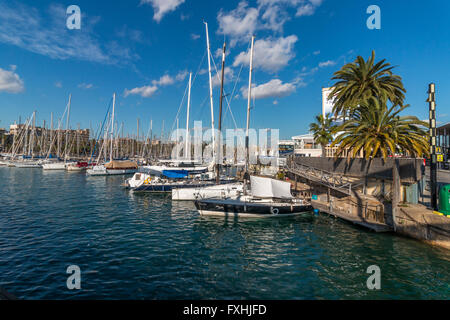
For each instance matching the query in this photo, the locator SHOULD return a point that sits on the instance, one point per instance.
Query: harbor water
(131, 246)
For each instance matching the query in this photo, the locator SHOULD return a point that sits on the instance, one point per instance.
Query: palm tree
(360, 80)
(322, 130)
(380, 131)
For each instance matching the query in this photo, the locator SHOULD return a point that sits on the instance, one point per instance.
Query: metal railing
(332, 180)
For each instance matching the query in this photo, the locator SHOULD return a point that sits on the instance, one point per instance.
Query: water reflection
(147, 246)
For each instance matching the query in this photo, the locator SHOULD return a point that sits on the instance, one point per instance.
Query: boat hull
(223, 191)
(110, 172)
(54, 166)
(166, 187)
(250, 210)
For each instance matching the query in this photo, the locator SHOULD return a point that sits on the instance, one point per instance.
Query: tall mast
(220, 110)
(51, 131)
(248, 112)
(208, 48)
(67, 127)
(112, 128)
(33, 131)
(188, 153)
(151, 137)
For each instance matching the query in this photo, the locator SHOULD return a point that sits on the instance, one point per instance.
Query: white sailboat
(185, 165)
(268, 198)
(28, 148)
(59, 165)
(113, 167)
(218, 190)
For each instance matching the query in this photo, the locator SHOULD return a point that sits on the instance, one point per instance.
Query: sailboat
(219, 189)
(179, 166)
(113, 167)
(59, 165)
(27, 159)
(268, 198)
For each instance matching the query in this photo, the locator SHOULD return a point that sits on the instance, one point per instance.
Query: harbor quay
(391, 195)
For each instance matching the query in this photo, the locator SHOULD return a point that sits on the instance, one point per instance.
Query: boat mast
(208, 48)
(188, 153)
(51, 132)
(248, 116)
(151, 137)
(112, 128)
(67, 127)
(220, 111)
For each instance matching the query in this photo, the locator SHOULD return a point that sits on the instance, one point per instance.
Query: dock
(342, 214)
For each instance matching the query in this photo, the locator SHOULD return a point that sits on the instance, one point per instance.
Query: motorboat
(55, 165)
(221, 191)
(114, 167)
(27, 164)
(76, 167)
(168, 181)
(174, 165)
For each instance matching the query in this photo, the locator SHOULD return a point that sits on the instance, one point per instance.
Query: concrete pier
(419, 222)
(385, 197)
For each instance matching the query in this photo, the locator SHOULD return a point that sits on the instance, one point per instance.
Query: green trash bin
(444, 200)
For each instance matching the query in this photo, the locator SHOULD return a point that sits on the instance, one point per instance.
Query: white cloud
(27, 28)
(228, 76)
(195, 36)
(148, 91)
(10, 82)
(167, 80)
(328, 63)
(305, 10)
(145, 92)
(239, 23)
(162, 7)
(275, 88)
(132, 34)
(269, 54)
(85, 85)
(308, 8)
(181, 75)
(58, 84)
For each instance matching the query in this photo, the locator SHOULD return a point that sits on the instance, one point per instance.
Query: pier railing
(335, 181)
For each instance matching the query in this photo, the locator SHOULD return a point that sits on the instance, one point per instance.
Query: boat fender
(147, 181)
(274, 211)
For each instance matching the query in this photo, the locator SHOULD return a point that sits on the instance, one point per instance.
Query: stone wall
(411, 170)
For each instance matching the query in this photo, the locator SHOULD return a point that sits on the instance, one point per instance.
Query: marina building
(443, 146)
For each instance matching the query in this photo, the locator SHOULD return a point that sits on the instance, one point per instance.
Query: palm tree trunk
(366, 179)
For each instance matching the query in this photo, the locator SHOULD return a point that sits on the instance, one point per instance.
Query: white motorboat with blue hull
(142, 182)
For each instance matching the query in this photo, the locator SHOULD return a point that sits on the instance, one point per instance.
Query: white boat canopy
(270, 188)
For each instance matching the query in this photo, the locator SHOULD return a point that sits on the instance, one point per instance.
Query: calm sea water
(148, 247)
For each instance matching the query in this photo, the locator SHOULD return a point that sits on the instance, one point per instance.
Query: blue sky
(143, 51)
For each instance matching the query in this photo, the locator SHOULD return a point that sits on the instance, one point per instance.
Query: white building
(306, 147)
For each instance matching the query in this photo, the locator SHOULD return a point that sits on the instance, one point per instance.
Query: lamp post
(433, 163)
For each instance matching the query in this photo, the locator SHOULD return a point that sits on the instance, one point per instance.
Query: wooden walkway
(374, 226)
